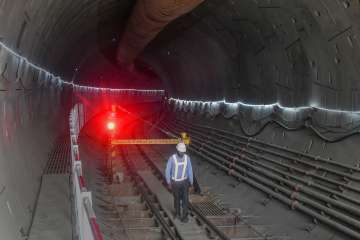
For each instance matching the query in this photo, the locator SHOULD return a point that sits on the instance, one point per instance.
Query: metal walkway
(59, 158)
(52, 219)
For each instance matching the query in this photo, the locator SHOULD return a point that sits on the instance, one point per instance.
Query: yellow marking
(184, 138)
(148, 141)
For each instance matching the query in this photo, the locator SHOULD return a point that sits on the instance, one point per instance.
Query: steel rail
(288, 194)
(316, 167)
(248, 143)
(272, 192)
(287, 166)
(296, 188)
(203, 218)
(145, 190)
(292, 151)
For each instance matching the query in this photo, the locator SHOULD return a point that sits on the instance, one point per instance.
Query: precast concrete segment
(59, 82)
(290, 118)
(148, 19)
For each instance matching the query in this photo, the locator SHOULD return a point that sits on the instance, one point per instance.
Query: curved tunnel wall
(297, 53)
(31, 117)
(294, 52)
(329, 125)
(32, 106)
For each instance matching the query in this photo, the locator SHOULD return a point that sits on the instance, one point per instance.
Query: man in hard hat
(179, 176)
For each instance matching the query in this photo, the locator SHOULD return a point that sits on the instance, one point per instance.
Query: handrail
(92, 217)
(86, 224)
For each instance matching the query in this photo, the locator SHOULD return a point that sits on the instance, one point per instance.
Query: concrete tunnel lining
(296, 53)
(302, 52)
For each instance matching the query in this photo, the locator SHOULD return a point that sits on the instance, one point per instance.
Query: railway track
(326, 190)
(126, 208)
(218, 221)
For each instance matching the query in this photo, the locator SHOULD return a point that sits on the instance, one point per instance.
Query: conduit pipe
(148, 19)
(338, 184)
(248, 144)
(290, 199)
(280, 172)
(282, 198)
(293, 185)
(289, 175)
(292, 151)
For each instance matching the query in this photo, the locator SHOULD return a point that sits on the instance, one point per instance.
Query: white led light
(178, 101)
(260, 106)
(75, 86)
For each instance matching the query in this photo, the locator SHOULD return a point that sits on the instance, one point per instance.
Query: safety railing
(86, 226)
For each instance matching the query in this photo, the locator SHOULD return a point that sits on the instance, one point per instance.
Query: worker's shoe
(185, 220)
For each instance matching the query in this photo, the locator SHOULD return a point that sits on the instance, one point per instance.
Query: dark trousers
(181, 197)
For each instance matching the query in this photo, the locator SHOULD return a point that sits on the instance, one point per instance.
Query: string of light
(259, 106)
(77, 87)
(155, 91)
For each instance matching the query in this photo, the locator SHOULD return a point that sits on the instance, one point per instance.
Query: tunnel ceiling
(298, 52)
(294, 52)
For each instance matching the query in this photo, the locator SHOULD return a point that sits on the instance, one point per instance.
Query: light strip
(261, 106)
(231, 104)
(75, 86)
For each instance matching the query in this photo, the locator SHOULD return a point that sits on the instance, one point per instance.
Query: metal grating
(59, 159)
(208, 208)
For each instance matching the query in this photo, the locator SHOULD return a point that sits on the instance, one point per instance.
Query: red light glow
(110, 126)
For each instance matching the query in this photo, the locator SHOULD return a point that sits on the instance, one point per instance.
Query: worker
(179, 177)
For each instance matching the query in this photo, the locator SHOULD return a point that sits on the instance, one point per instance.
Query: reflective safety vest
(183, 176)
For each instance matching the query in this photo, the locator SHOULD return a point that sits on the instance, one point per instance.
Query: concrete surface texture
(254, 205)
(299, 52)
(53, 216)
(296, 52)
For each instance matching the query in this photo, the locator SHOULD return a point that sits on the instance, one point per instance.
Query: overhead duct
(148, 18)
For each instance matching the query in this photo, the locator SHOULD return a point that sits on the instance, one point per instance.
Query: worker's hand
(191, 189)
(169, 185)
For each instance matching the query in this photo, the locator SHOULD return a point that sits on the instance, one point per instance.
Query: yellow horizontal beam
(149, 141)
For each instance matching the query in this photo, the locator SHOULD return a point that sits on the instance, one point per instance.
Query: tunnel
(266, 91)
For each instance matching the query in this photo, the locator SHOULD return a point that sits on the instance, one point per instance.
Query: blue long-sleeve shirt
(171, 169)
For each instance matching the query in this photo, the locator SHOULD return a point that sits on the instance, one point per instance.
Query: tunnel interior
(300, 53)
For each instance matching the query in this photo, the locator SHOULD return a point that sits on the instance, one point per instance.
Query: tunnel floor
(255, 206)
(131, 200)
(268, 91)
(122, 211)
(53, 214)
(119, 201)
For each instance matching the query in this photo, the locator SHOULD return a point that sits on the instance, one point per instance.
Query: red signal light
(111, 126)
